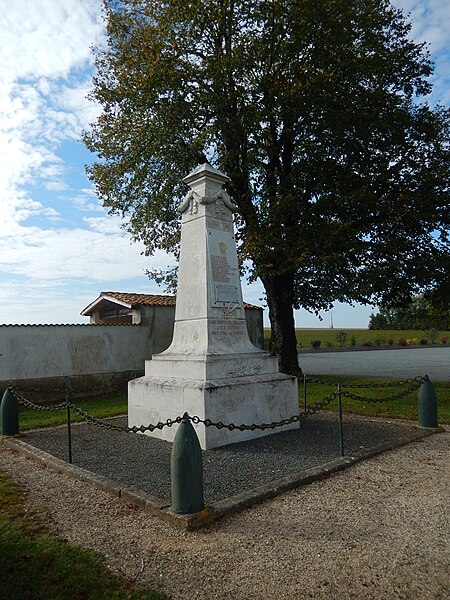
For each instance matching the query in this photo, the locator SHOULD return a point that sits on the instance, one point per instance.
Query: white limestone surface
(211, 369)
(239, 400)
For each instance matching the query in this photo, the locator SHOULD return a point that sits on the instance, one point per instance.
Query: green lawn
(35, 565)
(328, 337)
(97, 406)
(404, 408)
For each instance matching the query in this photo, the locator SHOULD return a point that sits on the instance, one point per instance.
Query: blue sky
(58, 247)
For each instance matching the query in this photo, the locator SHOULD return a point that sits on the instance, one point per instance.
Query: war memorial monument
(211, 369)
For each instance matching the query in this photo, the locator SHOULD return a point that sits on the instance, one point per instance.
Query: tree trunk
(279, 292)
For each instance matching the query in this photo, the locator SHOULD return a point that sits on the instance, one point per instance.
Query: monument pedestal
(168, 390)
(211, 369)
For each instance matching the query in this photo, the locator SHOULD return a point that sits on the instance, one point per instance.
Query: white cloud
(42, 43)
(47, 38)
(431, 24)
(104, 224)
(87, 201)
(101, 254)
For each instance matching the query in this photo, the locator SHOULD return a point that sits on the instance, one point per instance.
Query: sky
(58, 246)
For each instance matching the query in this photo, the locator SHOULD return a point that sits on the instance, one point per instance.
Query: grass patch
(97, 406)
(35, 565)
(404, 408)
(328, 337)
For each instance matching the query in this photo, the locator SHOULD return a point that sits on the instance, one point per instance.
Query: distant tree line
(420, 314)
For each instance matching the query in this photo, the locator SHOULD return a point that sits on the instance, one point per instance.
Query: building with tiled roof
(156, 312)
(126, 307)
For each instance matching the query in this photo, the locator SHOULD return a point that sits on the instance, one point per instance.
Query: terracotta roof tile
(138, 299)
(153, 299)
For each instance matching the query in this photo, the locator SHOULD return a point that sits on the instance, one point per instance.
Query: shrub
(315, 343)
(432, 334)
(329, 344)
(341, 337)
(402, 341)
(353, 341)
(412, 341)
(365, 342)
(423, 341)
(390, 341)
(378, 339)
(444, 339)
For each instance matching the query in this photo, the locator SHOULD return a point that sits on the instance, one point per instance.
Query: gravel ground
(144, 462)
(377, 530)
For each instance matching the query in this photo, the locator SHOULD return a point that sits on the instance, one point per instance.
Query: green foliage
(35, 565)
(379, 339)
(341, 337)
(338, 171)
(432, 334)
(315, 343)
(419, 313)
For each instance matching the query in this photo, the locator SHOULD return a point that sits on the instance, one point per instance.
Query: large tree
(339, 174)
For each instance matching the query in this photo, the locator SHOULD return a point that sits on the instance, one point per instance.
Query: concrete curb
(222, 508)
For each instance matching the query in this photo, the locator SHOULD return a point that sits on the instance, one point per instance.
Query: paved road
(434, 362)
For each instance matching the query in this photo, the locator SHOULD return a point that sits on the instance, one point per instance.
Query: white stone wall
(47, 351)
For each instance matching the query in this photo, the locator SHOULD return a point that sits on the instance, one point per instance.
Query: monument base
(249, 399)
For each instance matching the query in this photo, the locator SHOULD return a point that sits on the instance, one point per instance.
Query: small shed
(156, 311)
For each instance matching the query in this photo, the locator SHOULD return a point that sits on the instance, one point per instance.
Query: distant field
(361, 337)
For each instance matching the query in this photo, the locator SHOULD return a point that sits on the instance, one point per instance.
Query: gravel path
(377, 530)
(144, 462)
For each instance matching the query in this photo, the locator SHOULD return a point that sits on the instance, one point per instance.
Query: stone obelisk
(211, 368)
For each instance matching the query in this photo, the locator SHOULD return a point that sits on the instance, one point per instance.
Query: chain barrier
(319, 405)
(40, 407)
(402, 394)
(309, 410)
(93, 388)
(419, 380)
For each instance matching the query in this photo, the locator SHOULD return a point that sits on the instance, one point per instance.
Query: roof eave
(86, 312)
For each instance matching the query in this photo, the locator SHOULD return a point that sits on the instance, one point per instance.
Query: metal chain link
(25, 402)
(402, 394)
(419, 379)
(321, 404)
(94, 388)
(310, 410)
(142, 429)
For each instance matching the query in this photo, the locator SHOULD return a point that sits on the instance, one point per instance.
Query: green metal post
(304, 392)
(187, 470)
(9, 417)
(341, 424)
(69, 428)
(427, 405)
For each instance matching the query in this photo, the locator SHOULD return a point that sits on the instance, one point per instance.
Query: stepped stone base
(247, 399)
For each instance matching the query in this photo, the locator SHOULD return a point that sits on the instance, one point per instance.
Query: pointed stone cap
(206, 171)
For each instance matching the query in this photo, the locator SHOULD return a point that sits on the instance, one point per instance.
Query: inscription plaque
(225, 328)
(223, 268)
(226, 293)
